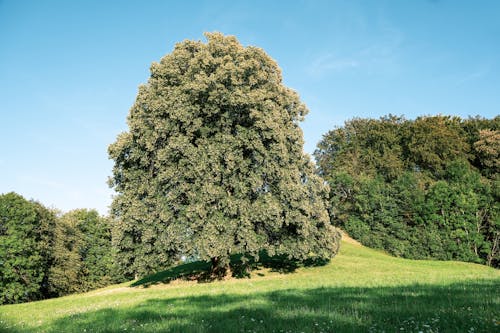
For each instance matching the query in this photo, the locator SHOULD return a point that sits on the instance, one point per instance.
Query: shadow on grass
(240, 268)
(190, 271)
(458, 307)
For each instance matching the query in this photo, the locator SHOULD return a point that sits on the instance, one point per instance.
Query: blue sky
(69, 72)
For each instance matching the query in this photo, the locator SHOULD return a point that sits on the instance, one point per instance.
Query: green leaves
(26, 233)
(213, 163)
(43, 254)
(422, 188)
(82, 253)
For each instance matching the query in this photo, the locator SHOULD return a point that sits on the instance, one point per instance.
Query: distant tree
(423, 188)
(372, 147)
(45, 231)
(64, 274)
(96, 255)
(26, 233)
(213, 164)
(488, 150)
(432, 142)
(82, 253)
(473, 126)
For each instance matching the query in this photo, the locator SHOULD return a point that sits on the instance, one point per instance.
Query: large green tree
(213, 164)
(26, 240)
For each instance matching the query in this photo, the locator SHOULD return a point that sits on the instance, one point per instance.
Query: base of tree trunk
(219, 270)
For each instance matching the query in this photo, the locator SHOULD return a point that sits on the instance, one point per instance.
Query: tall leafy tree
(26, 233)
(213, 164)
(82, 253)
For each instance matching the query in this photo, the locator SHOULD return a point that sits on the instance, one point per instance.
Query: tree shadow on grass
(413, 308)
(190, 271)
(240, 265)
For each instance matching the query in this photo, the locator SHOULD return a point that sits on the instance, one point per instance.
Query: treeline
(44, 254)
(423, 188)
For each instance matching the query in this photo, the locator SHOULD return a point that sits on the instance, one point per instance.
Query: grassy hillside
(361, 290)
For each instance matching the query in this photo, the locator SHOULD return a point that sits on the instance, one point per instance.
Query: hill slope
(361, 290)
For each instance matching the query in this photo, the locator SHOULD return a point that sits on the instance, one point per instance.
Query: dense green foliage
(82, 253)
(361, 290)
(26, 238)
(45, 255)
(423, 188)
(213, 165)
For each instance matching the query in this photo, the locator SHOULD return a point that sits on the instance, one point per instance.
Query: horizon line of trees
(426, 188)
(46, 254)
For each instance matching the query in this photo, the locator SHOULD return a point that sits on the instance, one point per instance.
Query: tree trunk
(494, 250)
(215, 263)
(219, 270)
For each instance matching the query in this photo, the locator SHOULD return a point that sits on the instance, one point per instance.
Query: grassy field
(361, 290)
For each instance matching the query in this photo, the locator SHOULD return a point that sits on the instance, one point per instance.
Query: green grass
(361, 290)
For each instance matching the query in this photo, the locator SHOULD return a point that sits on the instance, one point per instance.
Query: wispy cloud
(384, 52)
(329, 62)
(380, 53)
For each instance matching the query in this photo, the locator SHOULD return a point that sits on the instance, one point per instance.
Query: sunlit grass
(361, 290)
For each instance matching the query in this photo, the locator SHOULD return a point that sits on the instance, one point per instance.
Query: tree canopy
(423, 188)
(82, 253)
(26, 240)
(44, 254)
(213, 164)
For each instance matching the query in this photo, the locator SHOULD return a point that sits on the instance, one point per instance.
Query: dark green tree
(464, 208)
(213, 164)
(82, 253)
(97, 254)
(26, 233)
(45, 240)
